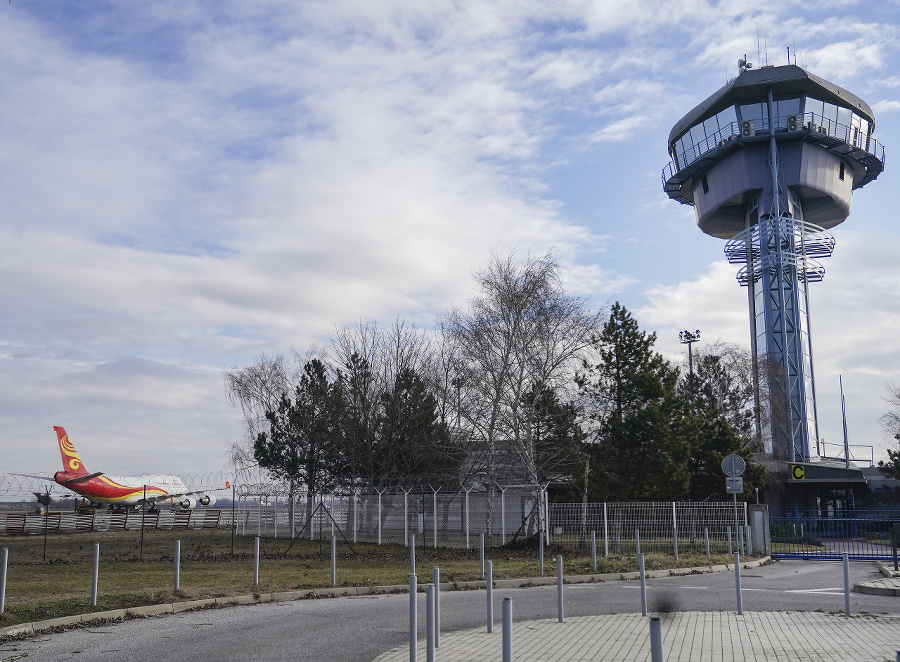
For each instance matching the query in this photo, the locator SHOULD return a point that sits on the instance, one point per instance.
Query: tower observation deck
(769, 163)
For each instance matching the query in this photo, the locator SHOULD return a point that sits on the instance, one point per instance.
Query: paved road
(359, 629)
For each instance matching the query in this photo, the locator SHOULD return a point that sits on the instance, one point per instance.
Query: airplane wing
(177, 495)
(50, 478)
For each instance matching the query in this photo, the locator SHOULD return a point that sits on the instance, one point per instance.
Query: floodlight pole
(689, 338)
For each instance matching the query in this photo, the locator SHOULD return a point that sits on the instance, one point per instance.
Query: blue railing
(826, 537)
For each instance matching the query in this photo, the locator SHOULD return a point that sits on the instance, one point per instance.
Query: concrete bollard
(507, 630)
(95, 574)
(643, 572)
(4, 557)
(593, 551)
(333, 560)
(256, 561)
(656, 649)
(436, 580)
(429, 623)
(560, 603)
(177, 566)
(490, 596)
(737, 584)
(706, 534)
(481, 556)
(846, 584)
(413, 622)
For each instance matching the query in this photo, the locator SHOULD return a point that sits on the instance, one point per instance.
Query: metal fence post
(641, 567)
(706, 535)
(656, 649)
(894, 545)
(412, 553)
(749, 541)
(605, 532)
(379, 518)
(429, 623)
(256, 561)
(4, 557)
(95, 574)
(541, 553)
(846, 584)
(507, 630)
(481, 556)
(177, 566)
(593, 551)
(728, 530)
(560, 608)
(737, 584)
(675, 530)
(637, 542)
(406, 518)
(503, 516)
(467, 518)
(490, 596)
(413, 623)
(333, 560)
(436, 580)
(434, 518)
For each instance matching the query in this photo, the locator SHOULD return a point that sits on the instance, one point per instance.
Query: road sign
(733, 465)
(798, 471)
(734, 485)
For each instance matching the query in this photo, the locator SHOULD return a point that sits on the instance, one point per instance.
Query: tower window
(841, 173)
(706, 183)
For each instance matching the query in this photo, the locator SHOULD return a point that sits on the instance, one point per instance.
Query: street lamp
(689, 338)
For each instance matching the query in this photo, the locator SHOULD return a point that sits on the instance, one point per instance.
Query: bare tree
(521, 333)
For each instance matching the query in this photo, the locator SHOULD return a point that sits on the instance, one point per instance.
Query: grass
(38, 590)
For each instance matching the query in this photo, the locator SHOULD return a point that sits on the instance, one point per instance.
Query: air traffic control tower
(769, 162)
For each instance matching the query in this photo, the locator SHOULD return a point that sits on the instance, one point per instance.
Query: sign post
(733, 465)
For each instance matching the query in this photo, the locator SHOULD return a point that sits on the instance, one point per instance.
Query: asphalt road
(360, 628)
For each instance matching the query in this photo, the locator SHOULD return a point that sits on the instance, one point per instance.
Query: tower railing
(849, 141)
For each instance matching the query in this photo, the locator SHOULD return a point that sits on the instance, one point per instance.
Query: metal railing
(824, 537)
(808, 123)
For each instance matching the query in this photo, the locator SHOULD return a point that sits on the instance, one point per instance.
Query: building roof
(752, 83)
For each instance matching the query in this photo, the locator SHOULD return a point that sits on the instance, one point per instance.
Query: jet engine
(187, 503)
(207, 500)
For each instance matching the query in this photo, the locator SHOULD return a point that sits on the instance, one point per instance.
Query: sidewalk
(694, 636)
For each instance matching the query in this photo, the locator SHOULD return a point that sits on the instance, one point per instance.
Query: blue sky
(184, 185)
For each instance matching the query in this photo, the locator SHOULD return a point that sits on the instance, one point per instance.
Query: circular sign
(733, 465)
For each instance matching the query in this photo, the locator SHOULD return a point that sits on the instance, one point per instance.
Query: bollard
(256, 561)
(637, 542)
(593, 551)
(436, 580)
(656, 649)
(737, 584)
(846, 584)
(490, 596)
(333, 560)
(706, 533)
(481, 556)
(4, 557)
(177, 565)
(730, 551)
(641, 567)
(507, 630)
(559, 589)
(413, 623)
(95, 575)
(412, 553)
(541, 553)
(429, 623)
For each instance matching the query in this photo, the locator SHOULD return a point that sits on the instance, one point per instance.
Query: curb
(28, 629)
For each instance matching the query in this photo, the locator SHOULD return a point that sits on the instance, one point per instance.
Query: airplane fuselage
(123, 490)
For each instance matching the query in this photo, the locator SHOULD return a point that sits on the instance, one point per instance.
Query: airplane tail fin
(72, 464)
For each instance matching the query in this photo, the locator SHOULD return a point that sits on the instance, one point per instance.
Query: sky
(187, 184)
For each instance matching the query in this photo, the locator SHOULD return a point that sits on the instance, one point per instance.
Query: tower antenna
(758, 57)
(789, 54)
(767, 50)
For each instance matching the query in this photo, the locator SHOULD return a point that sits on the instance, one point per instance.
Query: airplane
(125, 490)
